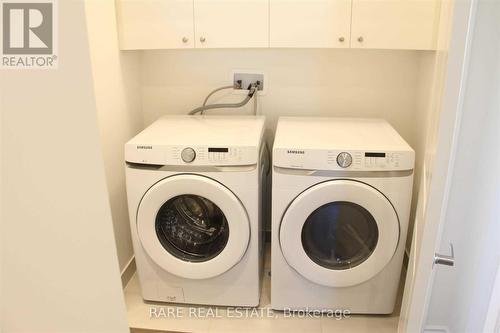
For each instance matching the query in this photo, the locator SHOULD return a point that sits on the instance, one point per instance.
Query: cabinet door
(310, 23)
(231, 23)
(395, 24)
(155, 24)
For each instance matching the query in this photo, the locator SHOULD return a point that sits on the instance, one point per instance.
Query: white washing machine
(194, 186)
(341, 202)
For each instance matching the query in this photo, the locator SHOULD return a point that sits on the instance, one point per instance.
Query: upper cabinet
(379, 24)
(155, 24)
(231, 23)
(310, 23)
(395, 24)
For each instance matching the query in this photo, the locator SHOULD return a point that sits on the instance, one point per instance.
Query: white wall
(460, 296)
(424, 110)
(305, 82)
(430, 87)
(390, 84)
(59, 265)
(117, 91)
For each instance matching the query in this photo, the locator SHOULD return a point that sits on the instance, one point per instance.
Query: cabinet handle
(185, 39)
(360, 39)
(341, 39)
(202, 39)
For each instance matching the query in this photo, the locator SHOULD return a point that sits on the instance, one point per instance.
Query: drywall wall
(425, 111)
(117, 92)
(360, 83)
(59, 264)
(389, 84)
(460, 296)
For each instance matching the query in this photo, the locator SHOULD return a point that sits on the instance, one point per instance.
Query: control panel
(207, 155)
(317, 159)
(192, 155)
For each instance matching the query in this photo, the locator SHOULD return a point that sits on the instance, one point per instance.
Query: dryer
(194, 187)
(341, 198)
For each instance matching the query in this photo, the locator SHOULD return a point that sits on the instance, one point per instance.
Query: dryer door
(192, 226)
(339, 233)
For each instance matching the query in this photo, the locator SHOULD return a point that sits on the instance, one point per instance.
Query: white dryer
(340, 207)
(194, 187)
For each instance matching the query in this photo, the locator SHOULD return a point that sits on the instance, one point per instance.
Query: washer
(340, 207)
(194, 187)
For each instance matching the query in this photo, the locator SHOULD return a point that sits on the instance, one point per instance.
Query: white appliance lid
(244, 131)
(338, 133)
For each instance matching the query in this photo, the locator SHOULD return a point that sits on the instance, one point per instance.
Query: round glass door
(192, 226)
(339, 233)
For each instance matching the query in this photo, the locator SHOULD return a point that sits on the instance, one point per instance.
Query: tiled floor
(140, 321)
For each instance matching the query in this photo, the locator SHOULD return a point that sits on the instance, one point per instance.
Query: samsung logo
(144, 147)
(292, 151)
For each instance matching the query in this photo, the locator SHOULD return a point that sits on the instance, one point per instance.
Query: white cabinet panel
(310, 23)
(231, 23)
(383, 24)
(395, 24)
(155, 24)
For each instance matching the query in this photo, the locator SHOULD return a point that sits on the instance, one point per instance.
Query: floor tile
(360, 324)
(219, 320)
(267, 322)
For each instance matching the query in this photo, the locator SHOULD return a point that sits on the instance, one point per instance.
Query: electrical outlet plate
(247, 77)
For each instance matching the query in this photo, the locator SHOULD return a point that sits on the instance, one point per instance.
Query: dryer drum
(339, 235)
(192, 228)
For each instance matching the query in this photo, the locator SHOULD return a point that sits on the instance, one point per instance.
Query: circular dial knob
(188, 155)
(344, 160)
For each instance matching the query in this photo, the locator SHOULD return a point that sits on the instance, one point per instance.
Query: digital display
(218, 150)
(374, 154)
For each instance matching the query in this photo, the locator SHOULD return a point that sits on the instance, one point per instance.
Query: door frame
(419, 288)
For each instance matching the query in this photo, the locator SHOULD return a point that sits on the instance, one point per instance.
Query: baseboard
(128, 271)
(436, 329)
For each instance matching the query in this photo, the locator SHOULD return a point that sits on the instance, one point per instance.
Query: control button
(344, 160)
(188, 155)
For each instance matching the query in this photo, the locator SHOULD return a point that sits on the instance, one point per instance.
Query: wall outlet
(247, 77)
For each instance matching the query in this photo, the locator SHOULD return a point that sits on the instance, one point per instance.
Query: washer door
(339, 233)
(192, 226)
